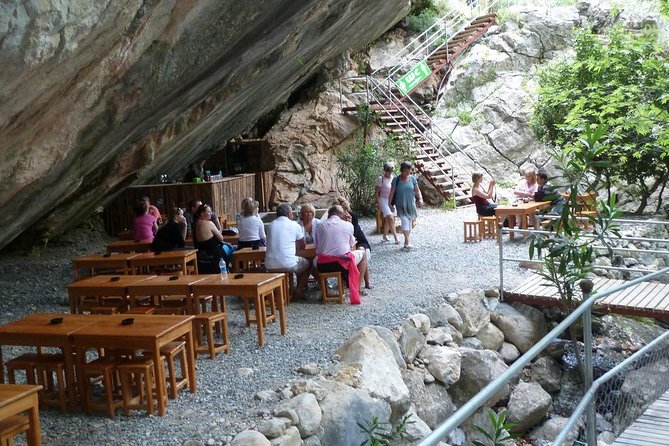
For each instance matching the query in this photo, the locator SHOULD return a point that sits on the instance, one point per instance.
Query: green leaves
(497, 434)
(619, 80)
(379, 434)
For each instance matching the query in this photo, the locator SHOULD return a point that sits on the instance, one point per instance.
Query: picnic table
(99, 287)
(16, 399)
(522, 209)
(180, 257)
(95, 263)
(129, 246)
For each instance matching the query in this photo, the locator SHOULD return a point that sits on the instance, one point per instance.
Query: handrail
(514, 369)
(590, 394)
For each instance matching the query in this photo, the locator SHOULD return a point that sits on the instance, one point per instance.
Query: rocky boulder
(343, 407)
(508, 352)
(431, 402)
(250, 438)
(551, 428)
(528, 405)
(471, 307)
(444, 315)
(491, 337)
(443, 363)
(411, 341)
(478, 368)
(547, 372)
(380, 375)
(308, 412)
(522, 325)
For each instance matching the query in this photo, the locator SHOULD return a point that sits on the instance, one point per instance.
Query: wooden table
(148, 332)
(37, 331)
(254, 286)
(180, 257)
(309, 251)
(248, 259)
(117, 261)
(523, 209)
(129, 246)
(18, 398)
(177, 285)
(102, 286)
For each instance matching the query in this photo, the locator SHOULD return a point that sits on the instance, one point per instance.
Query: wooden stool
(103, 310)
(25, 362)
(53, 390)
(101, 369)
(472, 230)
(170, 352)
(327, 297)
(137, 384)
(11, 427)
(177, 305)
(207, 321)
(141, 310)
(489, 227)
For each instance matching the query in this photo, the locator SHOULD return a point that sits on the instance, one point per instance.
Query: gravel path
(404, 283)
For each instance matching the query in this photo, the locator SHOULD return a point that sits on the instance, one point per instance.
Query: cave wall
(97, 96)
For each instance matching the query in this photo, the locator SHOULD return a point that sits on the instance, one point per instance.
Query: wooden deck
(651, 428)
(649, 299)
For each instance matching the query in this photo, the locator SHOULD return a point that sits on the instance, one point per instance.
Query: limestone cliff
(96, 96)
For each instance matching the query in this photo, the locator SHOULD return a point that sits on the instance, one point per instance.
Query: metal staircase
(437, 157)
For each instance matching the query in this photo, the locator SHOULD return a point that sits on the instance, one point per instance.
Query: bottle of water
(223, 267)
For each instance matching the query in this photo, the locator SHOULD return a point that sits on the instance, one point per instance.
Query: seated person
(548, 192)
(154, 210)
(285, 238)
(334, 239)
(189, 213)
(481, 196)
(144, 225)
(171, 235)
(308, 222)
(251, 228)
(361, 240)
(528, 186)
(208, 240)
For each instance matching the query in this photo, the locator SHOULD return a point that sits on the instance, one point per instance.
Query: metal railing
(584, 312)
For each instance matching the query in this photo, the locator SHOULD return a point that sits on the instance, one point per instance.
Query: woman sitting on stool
(251, 227)
(481, 197)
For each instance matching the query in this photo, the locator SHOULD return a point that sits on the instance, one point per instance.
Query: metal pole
(590, 431)
(501, 260)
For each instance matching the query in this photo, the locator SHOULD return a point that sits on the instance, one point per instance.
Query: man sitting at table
(284, 238)
(548, 192)
(334, 241)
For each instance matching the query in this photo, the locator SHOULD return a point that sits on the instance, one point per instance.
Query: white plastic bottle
(222, 266)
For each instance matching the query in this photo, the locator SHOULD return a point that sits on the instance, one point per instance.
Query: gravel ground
(224, 404)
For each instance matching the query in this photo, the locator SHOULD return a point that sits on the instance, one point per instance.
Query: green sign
(415, 76)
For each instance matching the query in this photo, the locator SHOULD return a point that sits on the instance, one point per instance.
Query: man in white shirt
(285, 238)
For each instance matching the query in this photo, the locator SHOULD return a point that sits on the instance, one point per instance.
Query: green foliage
(361, 164)
(621, 81)
(568, 254)
(497, 433)
(378, 433)
(664, 7)
(422, 20)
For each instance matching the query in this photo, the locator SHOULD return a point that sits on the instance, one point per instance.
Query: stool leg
(110, 393)
(210, 339)
(148, 383)
(173, 377)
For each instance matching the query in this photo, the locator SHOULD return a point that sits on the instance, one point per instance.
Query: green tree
(620, 80)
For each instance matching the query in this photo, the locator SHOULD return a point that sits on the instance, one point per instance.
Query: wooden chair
(172, 351)
(137, 384)
(26, 363)
(50, 371)
(488, 227)
(586, 207)
(11, 427)
(472, 231)
(206, 322)
(104, 370)
(327, 295)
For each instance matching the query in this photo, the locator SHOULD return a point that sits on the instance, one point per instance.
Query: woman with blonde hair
(382, 193)
(528, 186)
(251, 228)
(308, 222)
(360, 238)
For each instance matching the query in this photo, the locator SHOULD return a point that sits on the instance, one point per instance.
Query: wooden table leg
(260, 318)
(159, 372)
(69, 376)
(2, 367)
(282, 307)
(81, 383)
(34, 433)
(190, 355)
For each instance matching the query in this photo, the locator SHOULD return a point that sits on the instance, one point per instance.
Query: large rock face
(96, 96)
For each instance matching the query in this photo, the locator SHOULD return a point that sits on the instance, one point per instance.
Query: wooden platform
(651, 428)
(649, 299)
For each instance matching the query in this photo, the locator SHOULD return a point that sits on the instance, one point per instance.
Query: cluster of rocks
(432, 364)
(648, 260)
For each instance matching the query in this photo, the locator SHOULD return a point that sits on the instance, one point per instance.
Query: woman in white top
(527, 187)
(251, 228)
(308, 222)
(383, 186)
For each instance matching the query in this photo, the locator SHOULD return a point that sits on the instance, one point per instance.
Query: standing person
(481, 197)
(144, 225)
(308, 222)
(285, 238)
(406, 194)
(334, 240)
(548, 192)
(251, 228)
(382, 192)
(528, 186)
(171, 235)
